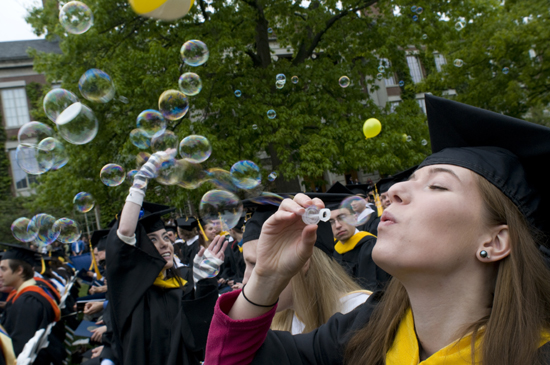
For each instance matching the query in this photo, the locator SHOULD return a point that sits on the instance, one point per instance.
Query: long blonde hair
(520, 309)
(316, 294)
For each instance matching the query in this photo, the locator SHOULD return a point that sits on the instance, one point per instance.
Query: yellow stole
(405, 351)
(7, 347)
(343, 247)
(171, 283)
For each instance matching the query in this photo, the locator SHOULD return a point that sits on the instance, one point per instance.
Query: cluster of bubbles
(416, 10)
(43, 229)
(280, 81)
(76, 17)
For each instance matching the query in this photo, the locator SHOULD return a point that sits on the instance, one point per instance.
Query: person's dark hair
(28, 271)
(520, 310)
(173, 273)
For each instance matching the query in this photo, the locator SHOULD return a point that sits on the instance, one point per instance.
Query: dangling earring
(484, 254)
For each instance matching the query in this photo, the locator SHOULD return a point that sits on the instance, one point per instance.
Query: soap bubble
(32, 160)
(221, 179)
(413, 8)
(279, 84)
(221, 207)
(379, 76)
(195, 148)
(31, 133)
(209, 267)
(43, 224)
(95, 85)
(76, 17)
(173, 104)
(424, 36)
(270, 198)
(409, 138)
(381, 68)
(238, 93)
(56, 101)
(140, 139)
(246, 174)
(294, 79)
(83, 202)
(142, 158)
(415, 17)
(272, 176)
(190, 83)
(459, 25)
(269, 30)
(458, 62)
(20, 232)
(57, 151)
(194, 53)
(401, 83)
(354, 210)
(424, 142)
(419, 10)
(271, 114)
(77, 124)
(68, 229)
(344, 81)
(192, 175)
(167, 141)
(170, 171)
(505, 70)
(280, 77)
(254, 126)
(151, 122)
(112, 174)
(131, 174)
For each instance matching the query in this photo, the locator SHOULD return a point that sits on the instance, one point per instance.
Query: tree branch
(203, 10)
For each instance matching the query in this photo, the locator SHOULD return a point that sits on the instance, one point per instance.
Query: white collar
(192, 240)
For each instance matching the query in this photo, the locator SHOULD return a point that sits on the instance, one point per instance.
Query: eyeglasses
(340, 218)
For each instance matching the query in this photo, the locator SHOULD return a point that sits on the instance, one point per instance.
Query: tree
(318, 124)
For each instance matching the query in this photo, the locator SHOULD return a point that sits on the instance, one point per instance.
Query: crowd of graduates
(440, 248)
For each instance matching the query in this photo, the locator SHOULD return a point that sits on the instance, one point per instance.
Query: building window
(20, 178)
(414, 67)
(393, 105)
(439, 61)
(390, 81)
(16, 110)
(422, 104)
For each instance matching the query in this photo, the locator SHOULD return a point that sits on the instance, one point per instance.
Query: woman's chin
(169, 265)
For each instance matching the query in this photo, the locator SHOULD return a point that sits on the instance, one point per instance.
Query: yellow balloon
(372, 127)
(162, 9)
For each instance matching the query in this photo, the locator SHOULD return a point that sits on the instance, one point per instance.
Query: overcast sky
(12, 20)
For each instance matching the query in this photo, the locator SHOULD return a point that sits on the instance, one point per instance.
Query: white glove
(206, 266)
(148, 171)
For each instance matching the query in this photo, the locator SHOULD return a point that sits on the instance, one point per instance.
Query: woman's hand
(206, 263)
(98, 333)
(216, 248)
(93, 307)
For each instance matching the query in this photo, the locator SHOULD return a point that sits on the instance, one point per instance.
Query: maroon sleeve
(233, 341)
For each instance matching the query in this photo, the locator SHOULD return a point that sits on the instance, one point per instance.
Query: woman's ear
(498, 247)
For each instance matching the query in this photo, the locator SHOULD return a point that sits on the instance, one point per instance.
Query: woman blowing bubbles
(461, 240)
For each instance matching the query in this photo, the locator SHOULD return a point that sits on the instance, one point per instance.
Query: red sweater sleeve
(233, 341)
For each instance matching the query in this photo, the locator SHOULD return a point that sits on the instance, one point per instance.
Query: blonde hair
(521, 305)
(316, 293)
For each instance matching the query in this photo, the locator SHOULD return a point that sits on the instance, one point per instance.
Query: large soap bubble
(167, 142)
(194, 53)
(140, 139)
(59, 156)
(112, 174)
(173, 104)
(44, 225)
(190, 83)
(246, 174)
(68, 229)
(77, 124)
(195, 148)
(83, 202)
(170, 171)
(56, 101)
(19, 229)
(222, 208)
(192, 176)
(95, 85)
(221, 179)
(31, 133)
(76, 17)
(151, 122)
(33, 160)
(354, 210)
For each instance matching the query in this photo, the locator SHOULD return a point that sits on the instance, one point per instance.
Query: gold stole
(171, 283)
(404, 350)
(350, 244)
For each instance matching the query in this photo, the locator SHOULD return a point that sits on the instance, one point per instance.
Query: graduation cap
(507, 152)
(18, 252)
(187, 223)
(383, 185)
(151, 217)
(339, 188)
(171, 226)
(99, 239)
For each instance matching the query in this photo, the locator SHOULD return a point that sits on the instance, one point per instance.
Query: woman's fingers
(201, 252)
(221, 253)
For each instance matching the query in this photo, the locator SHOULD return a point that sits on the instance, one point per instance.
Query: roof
(17, 50)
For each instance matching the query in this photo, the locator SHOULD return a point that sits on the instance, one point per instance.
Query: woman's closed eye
(437, 187)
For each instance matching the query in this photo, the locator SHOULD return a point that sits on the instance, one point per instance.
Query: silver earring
(484, 254)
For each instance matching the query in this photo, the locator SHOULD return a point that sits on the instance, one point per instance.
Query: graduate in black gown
(462, 240)
(151, 322)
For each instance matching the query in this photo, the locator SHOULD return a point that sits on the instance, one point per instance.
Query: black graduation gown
(326, 344)
(234, 265)
(371, 225)
(153, 325)
(22, 318)
(358, 264)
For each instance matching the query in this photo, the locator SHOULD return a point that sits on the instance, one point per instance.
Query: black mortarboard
(506, 151)
(170, 225)
(18, 252)
(338, 188)
(187, 223)
(99, 239)
(383, 185)
(151, 217)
